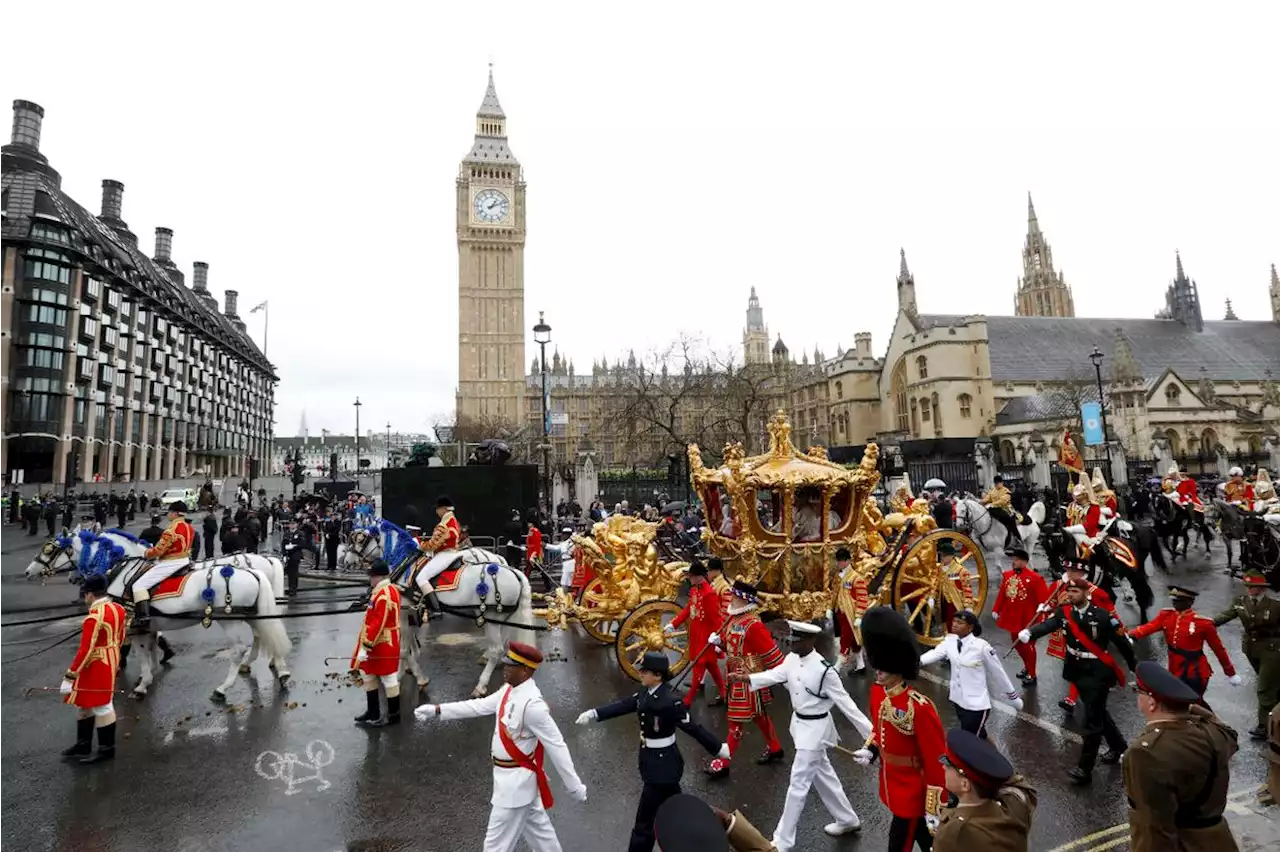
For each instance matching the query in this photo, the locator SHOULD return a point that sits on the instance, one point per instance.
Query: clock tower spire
(491, 232)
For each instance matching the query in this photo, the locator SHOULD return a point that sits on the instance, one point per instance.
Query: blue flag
(1091, 417)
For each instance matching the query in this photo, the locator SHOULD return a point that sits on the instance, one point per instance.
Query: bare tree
(457, 434)
(749, 391)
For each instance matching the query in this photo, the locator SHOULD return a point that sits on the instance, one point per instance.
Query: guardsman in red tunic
(906, 734)
(377, 657)
(1057, 598)
(1188, 491)
(90, 683)
(1185, 634)
(1022, 591)
(750, 648)
(1237, 490)
(171, 552)
(1105, 496)
(1084, 516)
(703, 616)
(446, 536)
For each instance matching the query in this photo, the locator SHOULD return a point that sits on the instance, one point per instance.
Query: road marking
(273, 766)
(1057, 730)
(1233, 805)
(1110, 844)
(1097, 835)
(456, 639)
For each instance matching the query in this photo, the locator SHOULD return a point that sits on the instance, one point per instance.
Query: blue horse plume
(403, 545)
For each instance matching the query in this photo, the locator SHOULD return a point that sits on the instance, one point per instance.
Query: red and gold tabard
(175, 542)
(380, 634)
(750, 648)
(445, 536)
(1057, 599)
(1088, 516)
(1185, 634)
(906, 729)
(703, 615)
(93, 671)
(1020, 595)
(1239, 492)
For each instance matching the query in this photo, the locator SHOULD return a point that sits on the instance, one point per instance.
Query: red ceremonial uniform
(1021, 593)
(1239, 492)
(174, 543)
(1189, 492)
(1109, 502)
(380, 633)
(906, 729)
(750, 648)
(93, 671)
(1089, 516)
(445, 536)
(533, 543)
(1058, 641)
(704, 617)
(1185, 634)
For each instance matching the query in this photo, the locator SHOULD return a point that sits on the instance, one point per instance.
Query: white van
(186, 495)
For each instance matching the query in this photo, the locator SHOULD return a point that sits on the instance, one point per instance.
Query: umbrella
(674, 507)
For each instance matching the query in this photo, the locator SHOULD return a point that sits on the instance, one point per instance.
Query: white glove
(290, 546)
(1044, 607)
(362, 655)
(863, 757)
(723, 754)
(586, 717)
(995, 616)
(580, 794)
(932, 822)
(830, 615)
(714, 640)
(426, 711)
(65, 688)
(1024, 636)
(1234, 680)
(669, 628)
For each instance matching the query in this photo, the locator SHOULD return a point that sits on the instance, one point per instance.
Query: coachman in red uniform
(377, 657)
(906, 733)
(750, 648)
(1057, 598)
(171, 553)
(1185, 634)
(90, 682)
(1022, 591)
(704, 618)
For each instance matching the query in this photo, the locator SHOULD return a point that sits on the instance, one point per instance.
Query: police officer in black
(152, 534)
(332, 535)
(295, 542)
(660, 712)
(1089, 630)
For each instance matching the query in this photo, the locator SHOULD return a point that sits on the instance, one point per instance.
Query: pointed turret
(1182, 300)
(489, 107)
(1124, 367)
(1042, 292)
(533, 366)
(1230, 313)
(1033, 224)
(906, 285)
(490, 145)
(755, 337)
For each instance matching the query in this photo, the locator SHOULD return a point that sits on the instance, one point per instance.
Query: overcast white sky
(675, 156)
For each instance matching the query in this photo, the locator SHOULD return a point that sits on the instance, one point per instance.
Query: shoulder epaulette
(920, 698)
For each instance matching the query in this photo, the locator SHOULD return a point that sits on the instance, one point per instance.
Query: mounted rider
(1084, 516)
(1265, 494)
(1105, 496)
(446, 538)
(1237, 491)
(1185, 493)
(999, 502)
(170, 554)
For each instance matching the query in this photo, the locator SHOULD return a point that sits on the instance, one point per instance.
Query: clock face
(491, 206)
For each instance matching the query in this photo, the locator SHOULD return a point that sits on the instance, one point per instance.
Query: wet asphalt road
(192, 776)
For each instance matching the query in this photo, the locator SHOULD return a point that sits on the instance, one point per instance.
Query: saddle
(170, 584)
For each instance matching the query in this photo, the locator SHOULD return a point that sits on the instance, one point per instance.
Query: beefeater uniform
(1186, 632)
(377, 656)
(524, 735)
(749, 648)
(703, 615)
(1057, 647)
(1022, 591)
(90, 681)
(906, 733)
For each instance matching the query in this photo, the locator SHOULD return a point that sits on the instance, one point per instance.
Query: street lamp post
(1096, 357)
(542, 336)
(387, 463)
(358, 403)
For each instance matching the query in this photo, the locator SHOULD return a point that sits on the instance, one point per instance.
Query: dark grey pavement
(194, 776)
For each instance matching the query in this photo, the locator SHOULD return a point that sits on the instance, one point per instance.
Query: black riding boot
(142, 616)
(106, 745)
(166, 650)
(84, 739)
(433, 606)
(373, 712)
(393, 712)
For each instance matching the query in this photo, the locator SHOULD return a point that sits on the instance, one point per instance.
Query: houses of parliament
(1176, 382)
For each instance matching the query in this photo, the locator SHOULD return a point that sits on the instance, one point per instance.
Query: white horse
(485, 588)
(975, 519)
(270, 566)
(212, 588)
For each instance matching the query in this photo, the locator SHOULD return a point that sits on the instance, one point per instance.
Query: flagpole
(266, 317)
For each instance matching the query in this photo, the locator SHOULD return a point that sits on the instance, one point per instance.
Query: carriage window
(806, 515)
(720, 514)
(769, 510)
(841, 507)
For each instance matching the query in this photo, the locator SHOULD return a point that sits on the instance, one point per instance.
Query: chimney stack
(112, 199)
(862, 344)
(200, 277)
(27, 118)
(232, 297)
(164, 244)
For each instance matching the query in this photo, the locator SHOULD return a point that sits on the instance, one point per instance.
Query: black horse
(1108, 564)
(1174, 521)
(1259, 541)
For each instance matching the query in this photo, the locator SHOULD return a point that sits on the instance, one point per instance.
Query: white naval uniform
(973, 661)
(517, 808)
(807, 678)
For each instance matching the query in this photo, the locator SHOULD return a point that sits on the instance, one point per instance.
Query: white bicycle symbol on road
(272, 765)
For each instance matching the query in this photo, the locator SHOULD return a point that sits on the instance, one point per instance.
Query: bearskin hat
(890, 642)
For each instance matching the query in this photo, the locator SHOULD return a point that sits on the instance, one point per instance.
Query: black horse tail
(1150, 543)
(1141, 588)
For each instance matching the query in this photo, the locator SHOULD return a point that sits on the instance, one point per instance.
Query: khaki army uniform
(1260, 618)
(1176, 775)
(1000, 824)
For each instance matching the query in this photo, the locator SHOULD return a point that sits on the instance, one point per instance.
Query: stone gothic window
(839, 390)
(915, 420)
(1008, 453)
(966, 405)
(1172, 394)
(937, 415)
(926, 410)
(899, 386)
(922, 367)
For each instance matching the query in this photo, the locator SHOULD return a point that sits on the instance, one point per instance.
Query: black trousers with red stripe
(905, 834)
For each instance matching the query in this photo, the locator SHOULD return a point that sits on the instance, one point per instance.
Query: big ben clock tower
(491, 273)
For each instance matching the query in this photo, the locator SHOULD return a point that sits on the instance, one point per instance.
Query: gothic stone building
(112, 365)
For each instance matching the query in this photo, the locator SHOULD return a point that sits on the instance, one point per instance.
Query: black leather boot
(84, 739)
(393, 712)
(433, 606)
(106, 745)
(142, 616)
(373, 713)
(165, 648)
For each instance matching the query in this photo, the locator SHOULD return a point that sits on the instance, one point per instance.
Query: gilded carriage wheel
(591, 597)
(643, 631)
(925, 596)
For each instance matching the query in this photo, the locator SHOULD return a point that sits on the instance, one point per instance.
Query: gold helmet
(1085, 487)
(1099, 482)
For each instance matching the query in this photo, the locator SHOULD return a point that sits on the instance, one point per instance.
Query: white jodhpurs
(156, 574)
(811, 768)
(508, 825)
